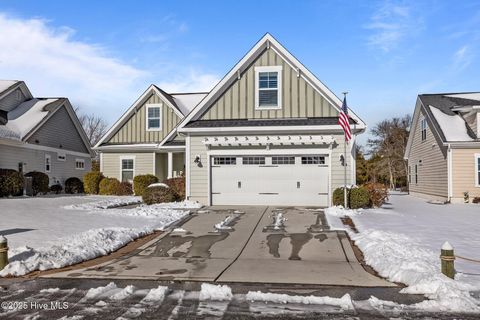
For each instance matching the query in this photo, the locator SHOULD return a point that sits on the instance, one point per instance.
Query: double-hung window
(48, 163)
(423, 127)
(268, 87)
(477, 169)
(79, 164)
(154, 117)
(128, 165)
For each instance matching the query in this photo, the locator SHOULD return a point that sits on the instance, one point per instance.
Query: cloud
(390, 24)
(462, 58)
(193, 81)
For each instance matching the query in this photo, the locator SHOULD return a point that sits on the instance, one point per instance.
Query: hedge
(109, 187)
(378, 194)
(141, 182)
(91, 181)
(359, 198)
(73, 185)
(56, 188)
(178, 186)
(125, 189)
(11, 183)
(39, 182)
(159, 194)
(338, 197)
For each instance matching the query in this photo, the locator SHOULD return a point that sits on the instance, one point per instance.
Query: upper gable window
(154, 117)
(423, 127)
(268, 87)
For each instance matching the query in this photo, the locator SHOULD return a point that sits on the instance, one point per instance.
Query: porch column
(170, 165)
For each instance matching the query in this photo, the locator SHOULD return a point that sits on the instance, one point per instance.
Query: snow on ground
(108, 203)
(344, 302)
(43, 234)
(402, 241)
(215, 292)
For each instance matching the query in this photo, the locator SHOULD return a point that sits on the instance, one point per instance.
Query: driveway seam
(244, 246)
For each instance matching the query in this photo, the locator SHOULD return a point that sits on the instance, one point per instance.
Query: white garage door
(270, 180)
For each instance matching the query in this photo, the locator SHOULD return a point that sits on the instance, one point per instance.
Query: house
(443, 149)
(41, 134)
(267, 133)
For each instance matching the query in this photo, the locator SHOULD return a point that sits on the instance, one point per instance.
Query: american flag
(343, 120)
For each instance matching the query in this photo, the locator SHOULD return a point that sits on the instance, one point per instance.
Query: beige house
(443, 150)
(267, 133)
(41, 134)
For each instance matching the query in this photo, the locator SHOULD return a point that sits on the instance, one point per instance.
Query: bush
(177, 185)
(73, 185)
(159, 195)
(39, 182)
(476, 200)
(109, 187)
(125, 189)
(338, 197)
(11, 182)
(359, 198)
(378, 194)
(91, 181)
(141, 182)
(56, 188)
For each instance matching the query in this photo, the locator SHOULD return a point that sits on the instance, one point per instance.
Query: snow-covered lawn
(53, 232)
(402, 241)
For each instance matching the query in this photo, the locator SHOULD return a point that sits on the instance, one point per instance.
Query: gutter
(449, 173)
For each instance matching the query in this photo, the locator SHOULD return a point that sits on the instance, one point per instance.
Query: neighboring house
(443, 149)
(41, 134)
(266, 134)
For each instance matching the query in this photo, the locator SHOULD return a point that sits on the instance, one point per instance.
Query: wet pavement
(244, 244)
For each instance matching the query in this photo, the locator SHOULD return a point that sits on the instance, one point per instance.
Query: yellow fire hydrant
(3, 252)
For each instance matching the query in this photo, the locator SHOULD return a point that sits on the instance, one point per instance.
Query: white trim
(477, 157)
(160, 116)
(353, 166)
(77, 160)
(449, 174)
(277, 69)
(329, 197)
(25, 145)
(245, 62)
(154, 164)
(129, 147)
(187, 167)
(169, 165)
(49, 157)
(101, 161)
(308, 128)
(126, 157)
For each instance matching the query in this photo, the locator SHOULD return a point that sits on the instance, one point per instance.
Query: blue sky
(103, 54)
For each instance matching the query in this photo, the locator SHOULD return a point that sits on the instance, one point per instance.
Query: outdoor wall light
(342, 159)
(198, 160)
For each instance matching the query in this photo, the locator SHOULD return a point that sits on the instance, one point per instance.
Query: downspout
(449, 173)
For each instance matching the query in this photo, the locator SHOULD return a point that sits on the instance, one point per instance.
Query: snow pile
(453, 127)
(278, 221)
(156, 295)
(123, 294)
(100, 291)
(149, 211)
(5, 84)
(224, 224)
(158, 184)
(213, 292)
(109, 202)
(344, 302)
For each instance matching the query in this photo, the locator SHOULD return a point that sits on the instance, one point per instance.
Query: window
(409, 174)
(61, 157)
(79, 164)
(313, 160)
(283, 160)
(48, 163)
(253, 160)
(225, 160)
(268, 86)
(416, 174)
(477, 169)
(154, 118)
(127, 170)
(423, 126)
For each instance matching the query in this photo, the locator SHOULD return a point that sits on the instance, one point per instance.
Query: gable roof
(267, 41)
(442, 111)
(8, 86)
(181, 103)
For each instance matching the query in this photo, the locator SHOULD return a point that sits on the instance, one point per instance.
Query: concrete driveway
(248, 248)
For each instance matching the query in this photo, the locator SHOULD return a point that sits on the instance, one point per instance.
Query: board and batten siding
(135, 128)
(198, 176)
(299, 99)
(59, 132)
(144, 163)
(34, 160)
(12, 100)
(432, 171)
(464, 174)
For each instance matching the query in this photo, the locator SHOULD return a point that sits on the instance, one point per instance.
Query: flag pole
(345, 164)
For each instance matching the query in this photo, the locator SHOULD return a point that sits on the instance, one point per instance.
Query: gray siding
(59, 132)
(34, 160)
(135, 129)
(299, 99)
(432, 172)
(10, 101)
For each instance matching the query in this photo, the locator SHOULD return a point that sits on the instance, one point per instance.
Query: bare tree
(94, 126)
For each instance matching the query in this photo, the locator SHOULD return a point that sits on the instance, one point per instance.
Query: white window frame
(79, 161)
(121, 167)
(151, 106)
(277, 69)
(423, 128)
(49, 157)
(477, 158)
